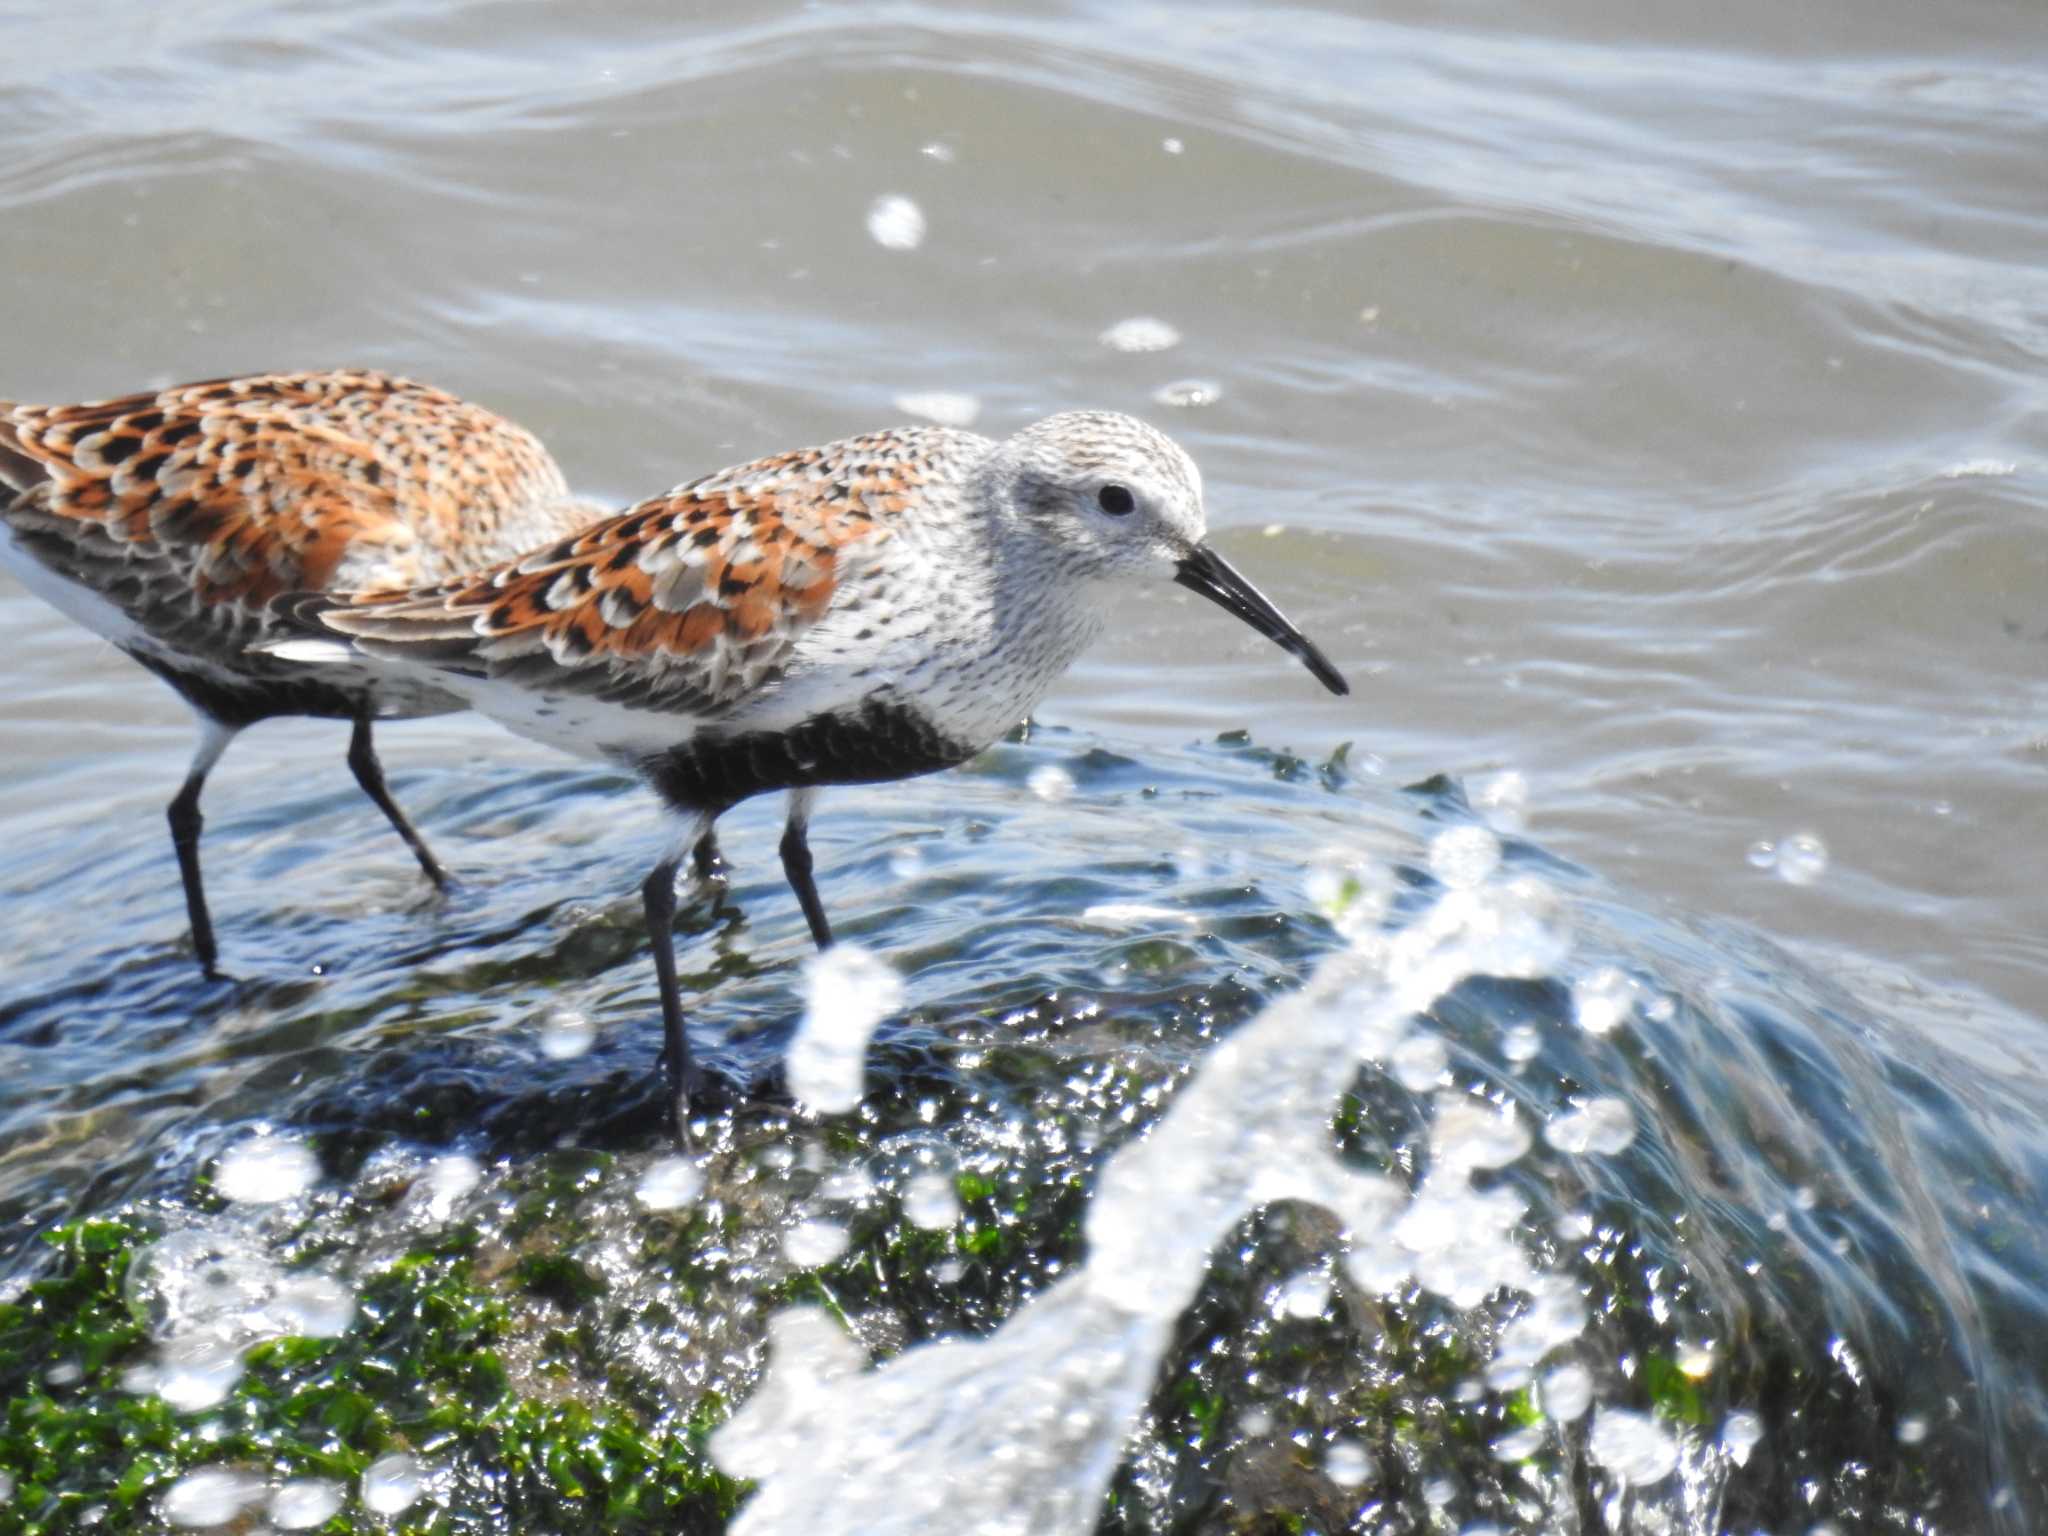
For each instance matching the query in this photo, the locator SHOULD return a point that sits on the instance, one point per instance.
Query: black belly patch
(869, 745)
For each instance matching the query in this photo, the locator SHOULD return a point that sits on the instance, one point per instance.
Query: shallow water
(1647, 401)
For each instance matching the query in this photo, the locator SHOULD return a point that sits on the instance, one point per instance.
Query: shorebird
(878, 608)
(168, 521)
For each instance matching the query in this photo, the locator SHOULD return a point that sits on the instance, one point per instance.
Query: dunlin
(168, 521)
(874, 609)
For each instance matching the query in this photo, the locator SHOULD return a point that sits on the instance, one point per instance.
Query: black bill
(1208, 573)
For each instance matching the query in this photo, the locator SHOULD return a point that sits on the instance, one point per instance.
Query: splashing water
(1029, 1423)
(849, 991)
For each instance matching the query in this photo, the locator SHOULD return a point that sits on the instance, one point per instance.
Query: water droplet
(1464, 858)
(1255, 1423)
(949, 1271)
(1802, 859)
(1761, 854)
(1521, 1043)
(1519, 1444)
(446, 1180)
(945, 154)
(1469, 1133)
(945, 407)
(1566, 1392)
(1740, 1432)
(65, 1373)
(1603, 1125)
(1347, 1464)
(1912, 1429)
(929, 1201)
(566, 1033)
(1140, 333)
(896, 223)
(1602, 999)
(1303, 1296)
(1187, 394)
(1633, 1446)
(669, 1184)
(1438, 1492)
(849, 991)
(314, 1306)
(198, 1372)
(1050, 783)
(304, 1503)
(1172, 146)
(210, 1496)
(812, 1244)
(265, 1169)
(392, 1483)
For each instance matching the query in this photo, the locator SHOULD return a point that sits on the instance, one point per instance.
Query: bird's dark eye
(1116, 500)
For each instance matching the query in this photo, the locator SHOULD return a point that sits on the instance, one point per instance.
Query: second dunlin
(878, 608)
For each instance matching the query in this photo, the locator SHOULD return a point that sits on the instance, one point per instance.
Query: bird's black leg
(186, 823)
(796, 864)
(705, 858)
(658, 896)
(362, 761)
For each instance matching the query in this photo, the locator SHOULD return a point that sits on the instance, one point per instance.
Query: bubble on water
(210, 1496)
(929, 1201)
(948, 408)
(1522, 1042)
(446, 1180)
(1303, 1296)
(1802, 859)
(669, 1183)
(896, 223)
(392, 1483)
(314, 1306)
(1420, 1061)
(1140, 333)
(1172, 146)
(906, 862)
(1602, 999)
(1464, 858)
(196, 1373)
(1347, 1463)
(1566, 1392)
(812, 1244)
(1519, 1444)
(304, 1503)
(1761, 854)
(1604, 1125)
(1050, 782)
(1740, 1433)
(566, 1033)
(1633, 1446)
(1912, 1429)
(1187, 394)
(1501, 798)
(265, 1169)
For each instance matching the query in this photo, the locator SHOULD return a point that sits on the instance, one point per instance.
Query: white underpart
(80, 604)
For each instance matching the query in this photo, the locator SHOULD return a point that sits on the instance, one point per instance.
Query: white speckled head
(1108, 495)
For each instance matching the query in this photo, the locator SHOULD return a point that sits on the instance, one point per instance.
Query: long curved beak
(1208, 573)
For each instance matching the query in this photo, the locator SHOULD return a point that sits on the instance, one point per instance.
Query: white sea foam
(1021, 1431)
